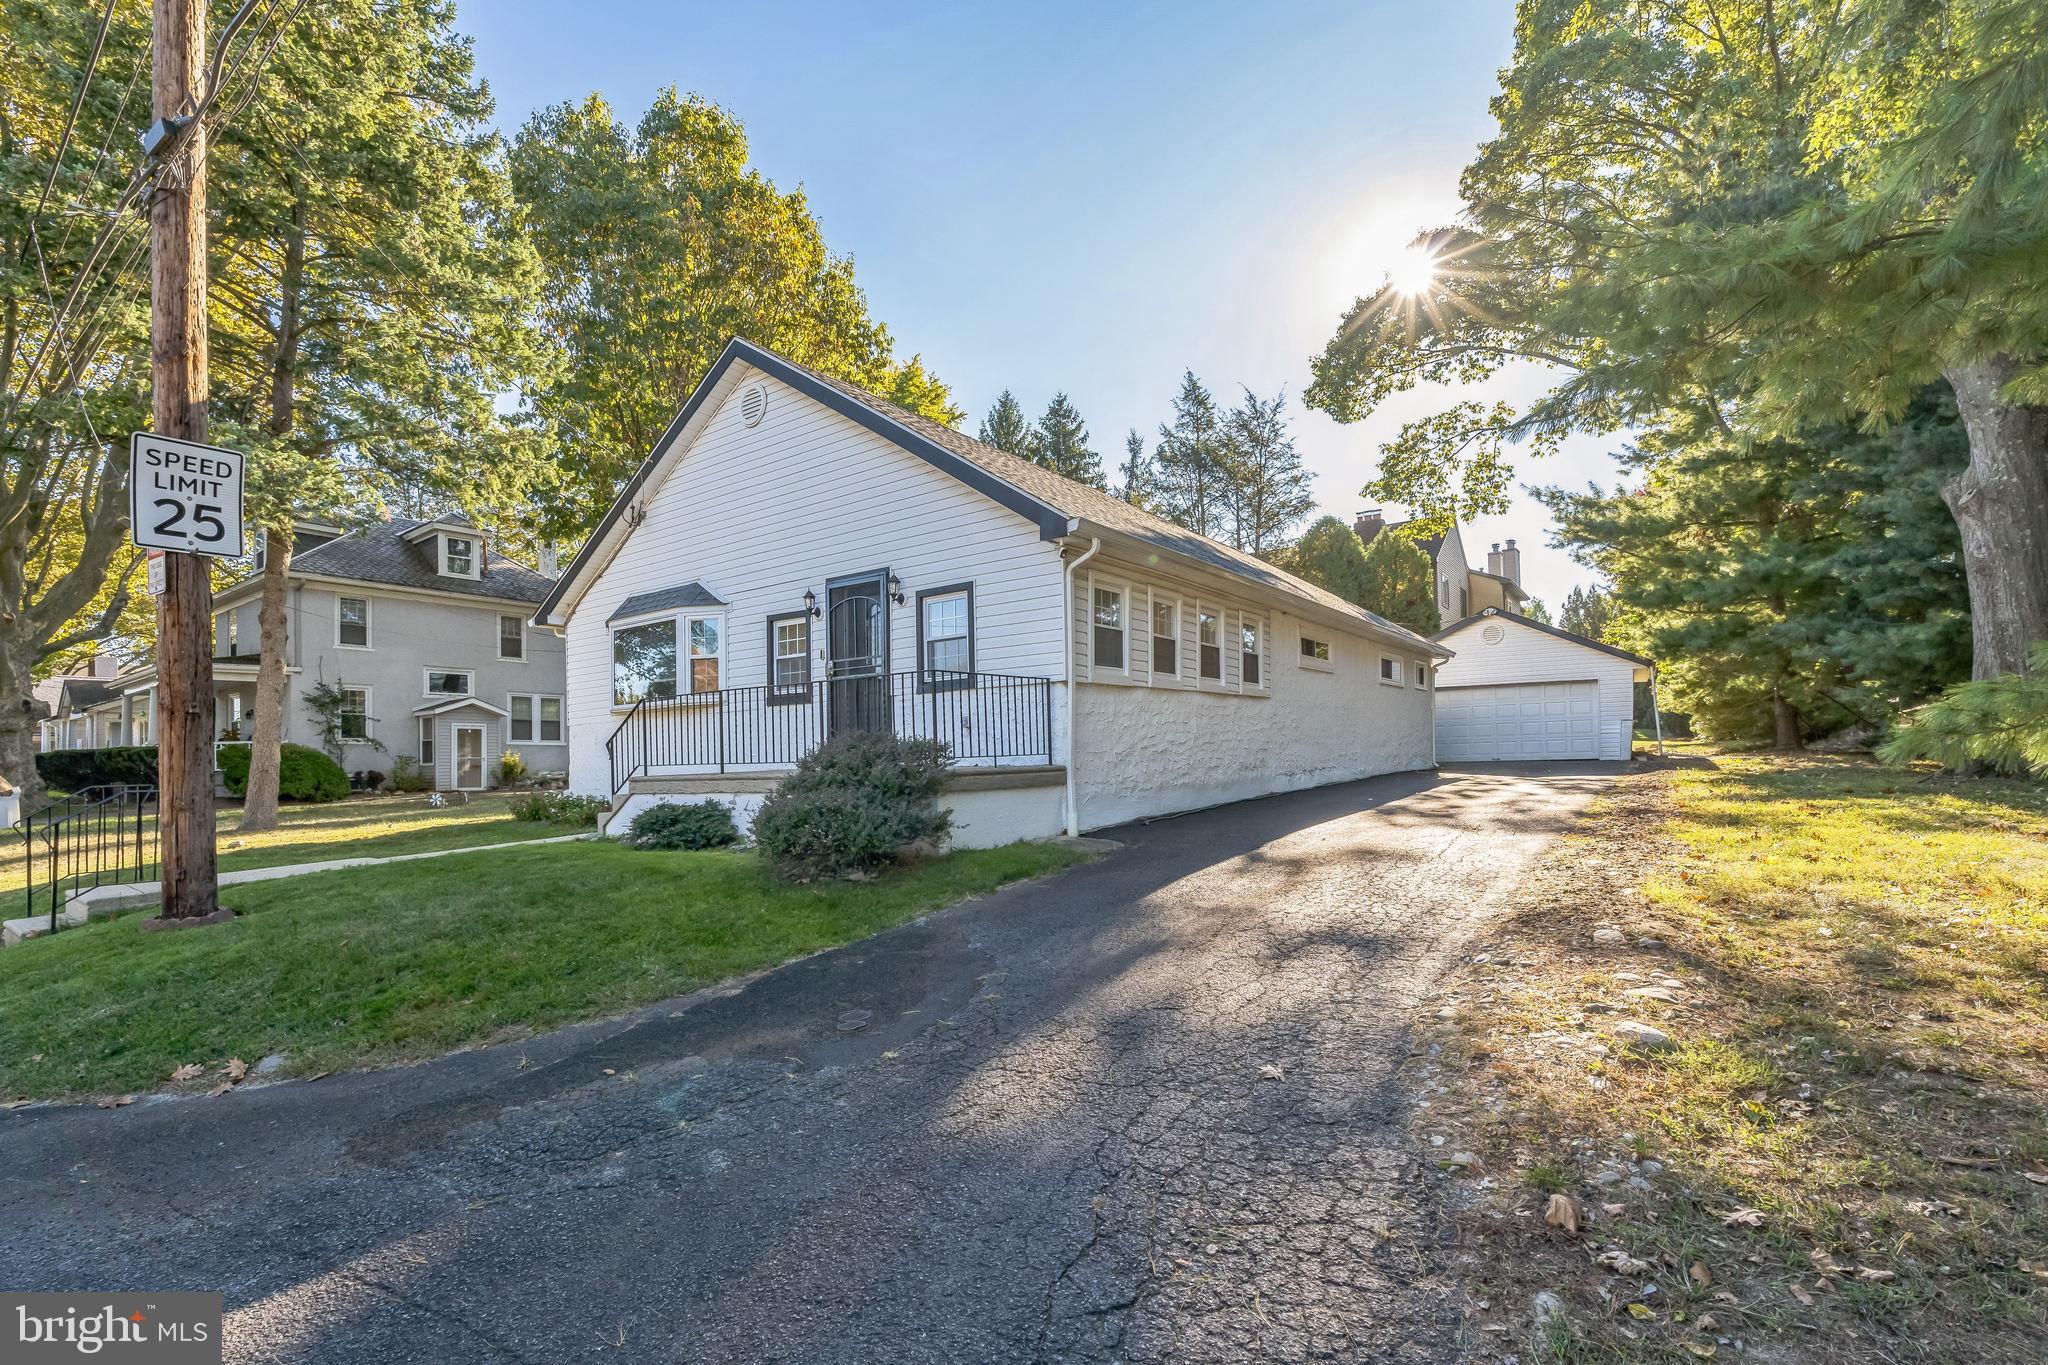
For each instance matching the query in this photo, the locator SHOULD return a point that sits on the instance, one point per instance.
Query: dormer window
(458, 556)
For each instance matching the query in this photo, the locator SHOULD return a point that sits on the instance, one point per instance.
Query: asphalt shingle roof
(663, 599)
(378, 554)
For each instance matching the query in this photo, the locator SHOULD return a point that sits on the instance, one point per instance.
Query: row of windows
(648, 658)
(531, 719)
(352, 628)
(1110, 624)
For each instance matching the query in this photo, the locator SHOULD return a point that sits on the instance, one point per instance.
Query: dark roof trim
(1051, 522)
(691, 594)
(1500, 615)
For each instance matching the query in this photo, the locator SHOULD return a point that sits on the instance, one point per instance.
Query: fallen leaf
(219, 1090)
(1723, 1296)
(1743, 1218)
(1799, 1293)
(1563, 1213)
(16, 1104)
(1707, 1323)
(1872, 1275)
(1620, 1262)
(189, 1071)
(2037, 1177)
(116, 1101)
(610, 1072)
(317, 1076)
(1637, 1310)
(1270, 1072)
(1699, 1274)
(1702, 1349)
(236, 1069)
(1614, 1210)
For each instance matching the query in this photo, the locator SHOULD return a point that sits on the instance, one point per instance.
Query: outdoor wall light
(895, 590)
(811, 602)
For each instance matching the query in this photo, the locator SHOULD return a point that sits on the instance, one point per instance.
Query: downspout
(1073, 812)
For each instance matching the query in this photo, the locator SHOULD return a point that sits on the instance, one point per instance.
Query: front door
(469, 758)
(857, 656)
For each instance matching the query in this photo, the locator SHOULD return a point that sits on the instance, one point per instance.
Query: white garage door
(1527, 720)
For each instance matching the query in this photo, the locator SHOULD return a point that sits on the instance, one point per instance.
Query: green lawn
(360, 827)
(384, 964)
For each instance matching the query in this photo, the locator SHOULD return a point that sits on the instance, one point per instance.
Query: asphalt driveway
(1145, 1110)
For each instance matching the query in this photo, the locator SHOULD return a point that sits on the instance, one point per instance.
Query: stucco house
(798, 558)
(424, 629)
(1461, 590)
(1516, 689)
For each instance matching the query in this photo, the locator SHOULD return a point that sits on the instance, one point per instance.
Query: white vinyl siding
(1524, 655)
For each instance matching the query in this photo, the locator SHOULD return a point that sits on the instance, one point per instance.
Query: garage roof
(1497, 614)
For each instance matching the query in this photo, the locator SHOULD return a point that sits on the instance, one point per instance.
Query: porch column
(127, 718)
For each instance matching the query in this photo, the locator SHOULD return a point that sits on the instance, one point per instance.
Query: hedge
(303, 774)
(73, 770)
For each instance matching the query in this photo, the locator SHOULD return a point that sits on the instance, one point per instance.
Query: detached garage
(1516, 689)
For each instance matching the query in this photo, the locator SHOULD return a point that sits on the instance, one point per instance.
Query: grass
(1858, 959)
(387, 964)
(360, 827)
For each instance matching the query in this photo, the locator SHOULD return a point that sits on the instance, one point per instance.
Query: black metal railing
(983, 718)
(96, 837)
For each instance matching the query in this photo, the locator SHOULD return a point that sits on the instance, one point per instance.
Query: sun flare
(1413, 271)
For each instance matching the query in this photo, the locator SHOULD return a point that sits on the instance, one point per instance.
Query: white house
(1518, 689)
(798, 558)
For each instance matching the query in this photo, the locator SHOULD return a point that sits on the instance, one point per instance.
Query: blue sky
(1089, 197)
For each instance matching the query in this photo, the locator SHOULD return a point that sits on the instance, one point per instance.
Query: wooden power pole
(184, 611)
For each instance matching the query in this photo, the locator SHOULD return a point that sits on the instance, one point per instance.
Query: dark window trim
(797, 696)
(925, 683)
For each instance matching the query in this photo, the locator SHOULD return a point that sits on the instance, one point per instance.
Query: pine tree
(1400, 583)
(1139, 475)
(1268, 489)
(1006, 427)
(1330, 556)
(1587, 612)
(1536, 611)
(1060, 442)
(1193, 484)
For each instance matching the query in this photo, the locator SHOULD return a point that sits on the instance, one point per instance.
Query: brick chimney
(1370, 523)
(1511, 563)
(1493, 559)
(549, 562)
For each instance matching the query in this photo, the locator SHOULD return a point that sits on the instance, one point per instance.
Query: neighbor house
(1518, 689)
(1461, 590)
(798, 559)
(423, 630)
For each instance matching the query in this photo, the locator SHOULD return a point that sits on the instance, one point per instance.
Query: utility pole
(184, 611)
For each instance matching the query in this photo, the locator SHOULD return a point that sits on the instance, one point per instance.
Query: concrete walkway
(119, 896)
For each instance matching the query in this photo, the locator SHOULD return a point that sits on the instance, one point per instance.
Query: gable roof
(382, 554)
(1510, 584)
(1497, 614)
(1060, 506)
(82, 691)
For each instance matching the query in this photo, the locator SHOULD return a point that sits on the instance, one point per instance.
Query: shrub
(408, 776)
(695, 824)
(559, 808)
(511, 767)
(2000, 724)
(851, 805)
(76, 769)
(303, 774)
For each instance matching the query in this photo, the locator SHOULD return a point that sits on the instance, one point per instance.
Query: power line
(92, 61)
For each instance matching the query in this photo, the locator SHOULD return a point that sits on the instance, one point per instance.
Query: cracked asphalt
(1146, 1110)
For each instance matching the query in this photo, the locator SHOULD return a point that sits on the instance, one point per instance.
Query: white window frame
(534, 719)
(476, 555)
(369, 721)
(426, 737)
(1421, 670)
(1155, 601)
(369, 633)
(1257, 626)
(503, 657)
(428, 670)
(930, 678)
(1202, 679)
(1317, 663)
(1123, 594)
(685, 656)
(1394, 679)
(780, 693)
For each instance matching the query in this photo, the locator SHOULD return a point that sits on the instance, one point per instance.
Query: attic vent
(753, 405)
(1493, 633)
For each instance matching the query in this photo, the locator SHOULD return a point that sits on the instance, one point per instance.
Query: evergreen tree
(1006, 427)
(1536, 611)
(1268, 488)
(1060, 443)
(1330, 556)
(1193, 487)
(1400, 583)
(1587, 612)
(1139, 476)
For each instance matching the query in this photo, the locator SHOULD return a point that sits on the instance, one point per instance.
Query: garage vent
(1493, 633)
(753, 405)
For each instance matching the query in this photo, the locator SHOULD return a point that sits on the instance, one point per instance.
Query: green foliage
(1006, 427)
(1140, 477)
(1329, 555)
(1587, 612)
(511, 767)
(408, 776)
(1060, 442)
(684, 825)
(657, 245)
(1818, 575)
(326, 701)
(1997, 723)
(303, 774)
(1536, 611)
(1192, 487)
(1400, 582)
(559, 808)
(1268, 488)
(852, 804)
(74, 770)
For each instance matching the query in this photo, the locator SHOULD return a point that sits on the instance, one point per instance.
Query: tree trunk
(1785, 716)
(2000, 503)
(266, 732)
(19, 712)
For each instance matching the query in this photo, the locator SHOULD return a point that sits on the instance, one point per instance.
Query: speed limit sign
(184, 496)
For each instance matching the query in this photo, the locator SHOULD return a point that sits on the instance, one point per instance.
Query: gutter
(1073, 812)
